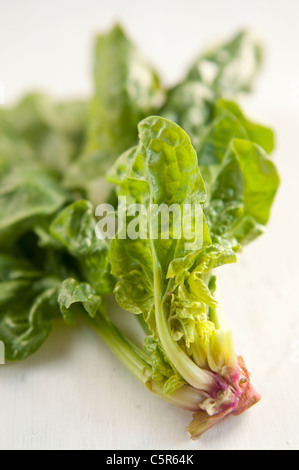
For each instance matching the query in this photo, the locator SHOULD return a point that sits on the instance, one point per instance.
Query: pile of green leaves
(191, 144)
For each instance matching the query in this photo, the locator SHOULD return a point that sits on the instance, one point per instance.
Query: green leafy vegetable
(170, 282)
(40, 283)
(241, 193)
(192, 184)
(75, 229)
(28, 300)
(27, 195)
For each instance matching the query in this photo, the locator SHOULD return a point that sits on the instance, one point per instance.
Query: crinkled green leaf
(73, 292)
(161, 366)
(28, 304)
(27, 195)
(242, 194)
(163, 278)
(228, 123)
(260, 135)
(163, 169)
(172, 170)
(261, 179)
(45, 274)
(41, 130)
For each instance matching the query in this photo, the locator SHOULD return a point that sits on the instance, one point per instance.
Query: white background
(74, 394)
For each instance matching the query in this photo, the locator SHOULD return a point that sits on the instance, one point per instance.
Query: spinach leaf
(241, 194)
(28, 304)
(75, 229)
(228, 123)
(152, 273)
(42, 130)
(28, 194)
(165, 279)
(39, 282)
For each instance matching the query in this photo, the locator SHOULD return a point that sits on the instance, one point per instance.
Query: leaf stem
(192, 374)
(138, 363)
